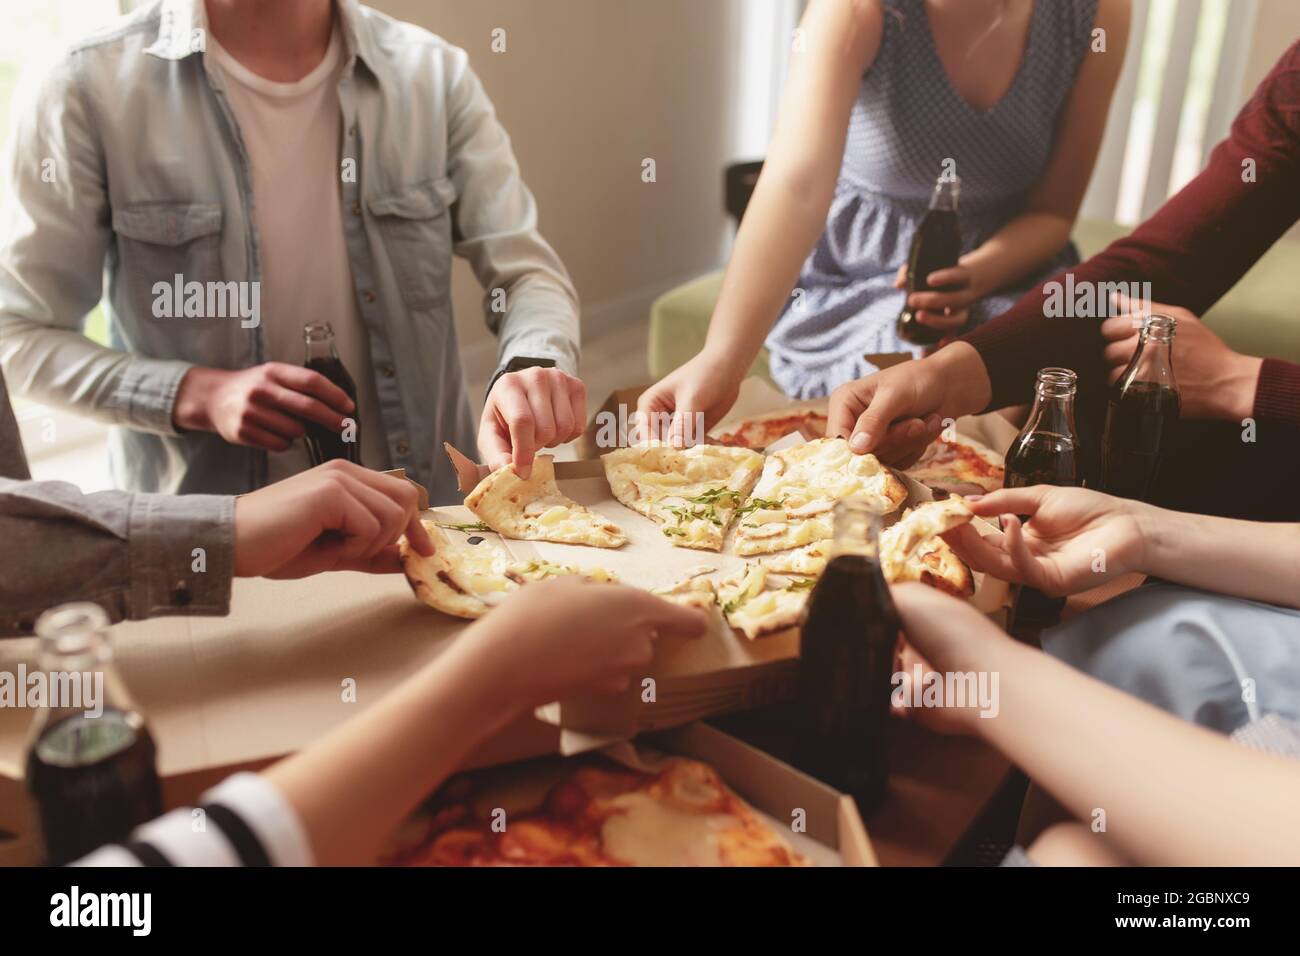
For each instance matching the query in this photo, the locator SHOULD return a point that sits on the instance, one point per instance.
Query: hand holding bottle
(1213, 380)
(262, 407)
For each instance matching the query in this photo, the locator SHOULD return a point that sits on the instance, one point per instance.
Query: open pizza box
(690, 678)
(809, 817)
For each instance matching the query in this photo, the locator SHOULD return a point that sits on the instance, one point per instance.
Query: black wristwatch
(518, 364)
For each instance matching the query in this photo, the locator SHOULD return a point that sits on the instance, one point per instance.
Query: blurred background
(589, 89)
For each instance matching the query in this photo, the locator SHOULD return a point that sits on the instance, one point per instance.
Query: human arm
(1075, 539)
(836, 45)
(1173, 794)
(144, 555)
(1192, 250)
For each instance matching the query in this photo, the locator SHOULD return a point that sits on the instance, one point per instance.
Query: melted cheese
(645, 832)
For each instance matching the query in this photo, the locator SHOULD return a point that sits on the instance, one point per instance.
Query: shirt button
(369, 296)
(356, 208)
(403, 448)
(352, 130)
(387, 371)
(181, 595)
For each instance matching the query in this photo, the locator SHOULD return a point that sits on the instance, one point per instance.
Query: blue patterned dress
(907, 120)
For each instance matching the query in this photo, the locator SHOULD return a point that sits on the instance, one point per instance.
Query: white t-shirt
(292, 134)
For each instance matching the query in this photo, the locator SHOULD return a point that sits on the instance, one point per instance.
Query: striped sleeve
(244, 821)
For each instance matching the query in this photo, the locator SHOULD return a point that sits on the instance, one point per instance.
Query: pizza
(691, 493)
(763, 602)
(535, 509)
(793, 502)
(467, 577)
(695, 590)
(589, 811)
(936, 564)
(917, 526)
(759, 431)
(963, 467)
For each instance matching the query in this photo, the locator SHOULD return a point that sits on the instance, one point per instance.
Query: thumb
(869, 430)
(652, 409)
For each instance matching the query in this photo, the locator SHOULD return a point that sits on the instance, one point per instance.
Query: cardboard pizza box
(813, 819)
(293, 660)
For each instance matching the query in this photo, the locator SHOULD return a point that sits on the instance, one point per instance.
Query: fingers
(1013, 540)
(982, 553)
(944, 320)
(392, 502)
(1120, 327)
(672, 620)
(900, 277)
(248, 432)
(953, 278)
(300, 405)
(936, 302)
(1019, 501)
(514, 417)
(653, 409)
(311, 383)
(886, 405)
(1119, 354)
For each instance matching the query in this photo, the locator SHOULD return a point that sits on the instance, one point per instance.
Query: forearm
(541, 321)
(1256, 560)
(135, 555)
(1172, 793)
(1019, 249)
(783, 221)
(62, 368)
(354, 788)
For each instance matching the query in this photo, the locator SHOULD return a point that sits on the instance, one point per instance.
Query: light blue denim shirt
(127, 168)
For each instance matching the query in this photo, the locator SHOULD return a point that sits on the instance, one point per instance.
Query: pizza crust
(692, 493)
(534, 509)
(457, 578)
(793, 502)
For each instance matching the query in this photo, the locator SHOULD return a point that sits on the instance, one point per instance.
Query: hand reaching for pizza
(697, 394)
(1213, 380)
(556, 638)
(1072, 539)
(335, 517)
(897, 412)
(529, 410)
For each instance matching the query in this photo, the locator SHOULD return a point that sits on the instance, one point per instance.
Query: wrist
(1238, 393)
(1157, 535)
(727, 361)
(962, 377)
(190, 411)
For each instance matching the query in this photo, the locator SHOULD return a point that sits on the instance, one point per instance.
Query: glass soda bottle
(846, 663)
(1142, 414)
(1046, 452)
(91, 764)
(322, 356)
(936, 245)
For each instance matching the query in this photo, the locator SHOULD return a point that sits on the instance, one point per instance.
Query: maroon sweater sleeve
(1192, 251)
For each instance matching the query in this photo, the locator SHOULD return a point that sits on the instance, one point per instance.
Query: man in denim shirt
(135, 171)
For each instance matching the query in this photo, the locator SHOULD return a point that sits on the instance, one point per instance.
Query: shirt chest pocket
(416, 229)
(158, 241)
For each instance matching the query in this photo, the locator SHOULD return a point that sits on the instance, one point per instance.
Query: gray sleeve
(136, 555)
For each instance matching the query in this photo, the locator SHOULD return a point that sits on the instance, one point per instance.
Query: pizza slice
(936, 564)
(911, 549)
(693, 494)
(963, 466)
(761, 602)
(458, 578)
(794, 500)
(467, 577)
(759, 431)
(534, 509)
(694, 590)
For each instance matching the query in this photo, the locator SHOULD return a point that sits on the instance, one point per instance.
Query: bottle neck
(856, 530)
(945, 194)
(319, 342)
(1053, 409)
(1151, 363)
(76, 668)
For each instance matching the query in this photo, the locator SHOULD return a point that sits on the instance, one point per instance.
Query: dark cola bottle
(846, 662)
(322, 356)
(1142, 415)
(1046, 452)
(936, 245)
(91, 763)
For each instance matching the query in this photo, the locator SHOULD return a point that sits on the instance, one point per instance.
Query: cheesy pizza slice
(535, 509)
(793, 503)
(693, 494)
